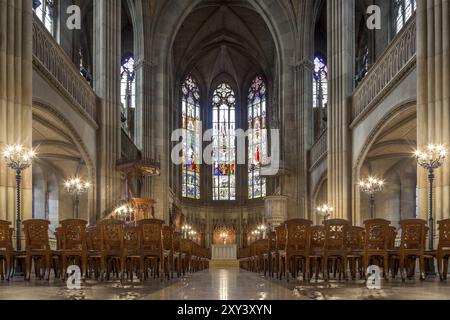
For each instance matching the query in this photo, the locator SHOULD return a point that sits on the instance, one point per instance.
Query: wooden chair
(178, 256)
(297, 247)
(443, 251)
(94, 246)
(6, 249)
(112, 248)
(280, 252)
(187, 250)
(37, 247)
(316, 252)
(73, 246)
(151, 246)
(355, 245)
(267, 255)
(167, 236)
(131, 251)
(335, 234)
(378, 242)
(412, 245)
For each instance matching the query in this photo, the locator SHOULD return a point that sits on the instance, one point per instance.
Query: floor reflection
(223, 283)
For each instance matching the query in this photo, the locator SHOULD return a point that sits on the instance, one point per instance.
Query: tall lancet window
(191, 123)
(128, 95)
(257, 140)
(320, 95)
(403, 11)
(46, 12)
(224, 143)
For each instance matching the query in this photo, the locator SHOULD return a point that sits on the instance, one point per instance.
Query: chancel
(224, 149)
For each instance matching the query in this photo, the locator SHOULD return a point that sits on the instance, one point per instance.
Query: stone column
(303, 75)
(16, 69)
(341, 65)
(433, 97)
(107, 60)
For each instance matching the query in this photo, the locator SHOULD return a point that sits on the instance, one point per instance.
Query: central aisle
(223, 282)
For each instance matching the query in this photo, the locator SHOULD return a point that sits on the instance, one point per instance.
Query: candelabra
(431, 158)
(186, 229)
(224, 237)
(125, 213)
(325, 211)
(76, 187)
(372, 186)
(18, 159)
(261, 230)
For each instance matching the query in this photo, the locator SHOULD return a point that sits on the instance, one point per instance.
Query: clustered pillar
(433, 97)
(16, 41)
(107, 61)
(341, 65)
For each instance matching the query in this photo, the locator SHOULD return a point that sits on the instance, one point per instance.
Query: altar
(224, 252)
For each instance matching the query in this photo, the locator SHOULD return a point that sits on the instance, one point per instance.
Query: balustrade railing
(50, 58)
(398, 59)
(320, 149)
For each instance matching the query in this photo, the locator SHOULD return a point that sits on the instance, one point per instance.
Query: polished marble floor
(224, 283)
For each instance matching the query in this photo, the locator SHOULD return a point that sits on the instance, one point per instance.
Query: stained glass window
(257, 144)
(191, 123)
(403, 11)
(320, 85)
(46, 12)
(128, 94)
(224, 143)
(320, 96)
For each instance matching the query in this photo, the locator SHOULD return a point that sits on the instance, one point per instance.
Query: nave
(224, 282)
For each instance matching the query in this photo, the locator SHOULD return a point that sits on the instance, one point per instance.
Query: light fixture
(76, 187)
(372, 186)
(325, 211)
(18, 158)
(432, 157)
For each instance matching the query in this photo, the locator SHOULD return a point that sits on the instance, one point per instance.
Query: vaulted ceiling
(224, 37)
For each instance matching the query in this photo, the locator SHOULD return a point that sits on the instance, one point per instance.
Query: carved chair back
(335, 234)
(177, 241)
(392, 237)
(73, 234)
(167, 236)
(36, 234)
(5, 235)
(444, 234)
(298, 234)
(131, 238)
(94, 238)
(413, 234)
(112, 234)
(317, 238)
(281, 237)
(355, 238)
(378, 234)
(150, 233)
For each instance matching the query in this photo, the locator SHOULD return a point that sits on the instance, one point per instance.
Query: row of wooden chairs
(338, 248)
(108, 248)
